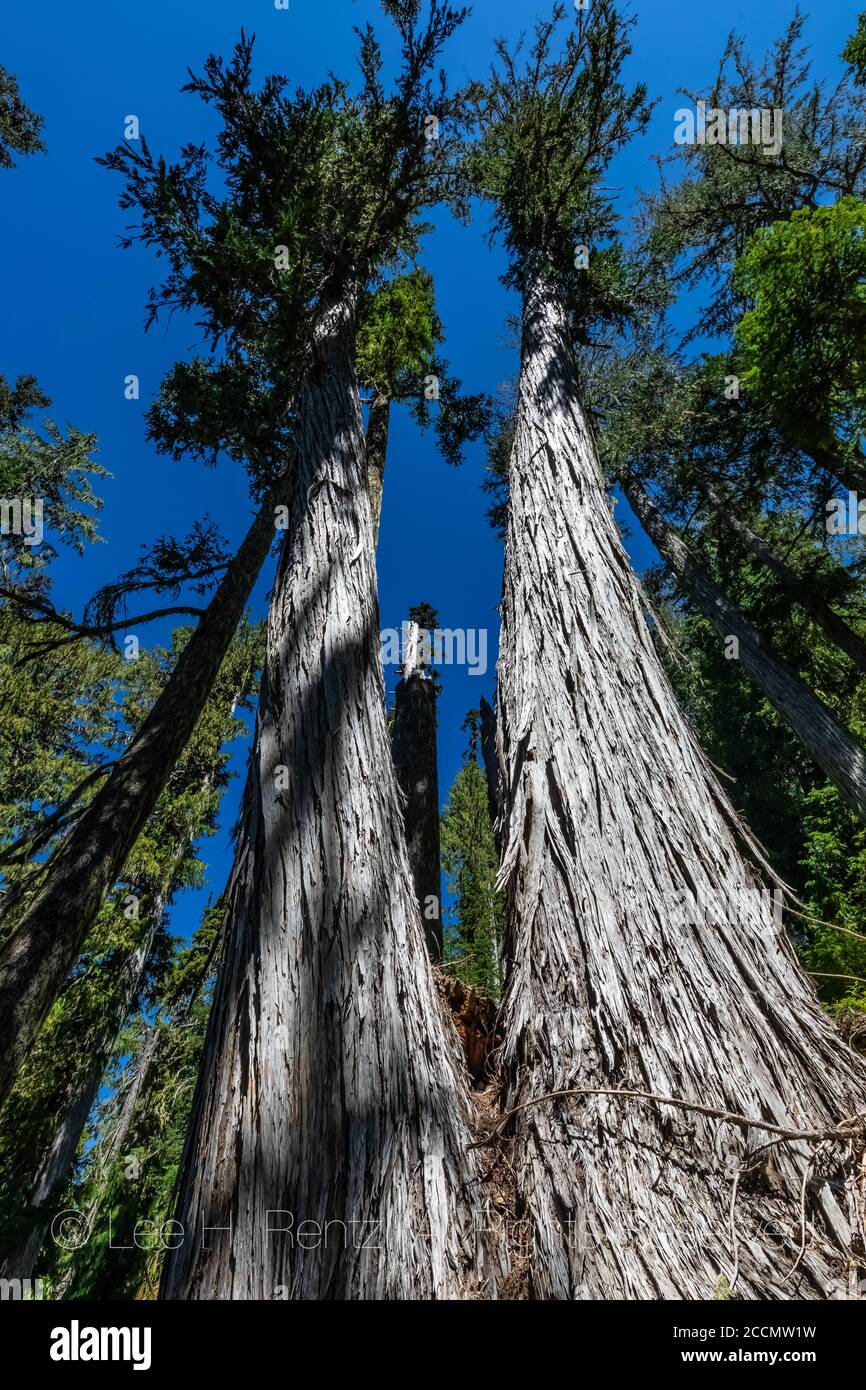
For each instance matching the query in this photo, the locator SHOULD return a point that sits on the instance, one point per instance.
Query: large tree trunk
(413, 743)
(611, 814)
(332, 1090)
(800, 588)
(40, 952)
(833, 748)
(378, 422)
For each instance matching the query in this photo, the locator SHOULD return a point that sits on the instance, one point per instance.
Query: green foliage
(48, 464)
(74, 1046)
(398, 334)
(398, 330)
(473, 938)
(17, 401)
(699, 224)
(801, 348)
(547, 130)
(304, 196)
(59, 716)
(854, 52)
(19, 126)
(128, 1179)
(834, 863)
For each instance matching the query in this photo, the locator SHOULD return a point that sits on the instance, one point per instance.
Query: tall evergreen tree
(47, 1110)
(331, 1089)
(611, 813)
(475, 936)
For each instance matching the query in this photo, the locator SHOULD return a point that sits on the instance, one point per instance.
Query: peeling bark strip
(833, 748)
(801, 589)
(610, 813)
(40, 953)
(332, 1091)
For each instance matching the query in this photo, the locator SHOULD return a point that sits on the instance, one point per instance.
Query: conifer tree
(350, 1102)
(621, 1019)
(475, 936)
(19, 126)
(399, 333)
(123, 956)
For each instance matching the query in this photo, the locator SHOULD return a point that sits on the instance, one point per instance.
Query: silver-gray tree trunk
(332, 1093)
(610, 814)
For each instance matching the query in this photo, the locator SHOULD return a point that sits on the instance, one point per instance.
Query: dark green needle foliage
(854, 52)
(550, 117)
(20, 128)
(700, 222)
(476, 925)
(304, 195)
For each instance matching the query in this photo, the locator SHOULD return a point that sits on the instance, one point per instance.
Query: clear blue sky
(73, 303)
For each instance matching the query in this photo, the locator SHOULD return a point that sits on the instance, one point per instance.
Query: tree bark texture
(332, 1090)
(610, 814)
(836, 751)
(413, 744)
(40, 952)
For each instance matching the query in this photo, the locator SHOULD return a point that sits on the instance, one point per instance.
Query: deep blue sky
(73, 302)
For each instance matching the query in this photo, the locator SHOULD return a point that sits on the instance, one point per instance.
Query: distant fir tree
(476, 929)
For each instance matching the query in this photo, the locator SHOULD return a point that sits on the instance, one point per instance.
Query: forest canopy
(473, 343)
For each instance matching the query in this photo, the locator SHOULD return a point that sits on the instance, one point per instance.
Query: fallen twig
(841, 1131)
